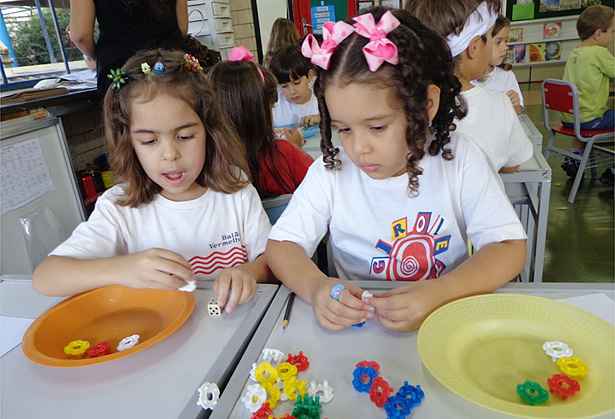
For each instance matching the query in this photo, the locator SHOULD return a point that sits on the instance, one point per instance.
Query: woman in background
(283, 34)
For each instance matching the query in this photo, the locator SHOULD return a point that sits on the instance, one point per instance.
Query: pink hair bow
(380, 48)
(332, 34)
(240, 53)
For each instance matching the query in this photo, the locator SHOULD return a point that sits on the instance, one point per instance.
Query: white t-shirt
(286, 113)
(495, 127)
(212, 232)
(500, 80)
(378, 231)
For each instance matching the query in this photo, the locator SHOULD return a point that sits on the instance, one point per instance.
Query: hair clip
(240, 53)
(146, 69)
(191, 63)
(379, 48)
(333, 34)
(117, 77)
(159, 68)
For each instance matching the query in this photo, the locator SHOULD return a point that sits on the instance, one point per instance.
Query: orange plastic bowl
(106, 314)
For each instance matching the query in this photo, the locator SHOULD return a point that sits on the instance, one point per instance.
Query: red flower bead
(380, 391)
(563, 386)
(300, 361)
(370, 364)
(263, 413)
(100, 349)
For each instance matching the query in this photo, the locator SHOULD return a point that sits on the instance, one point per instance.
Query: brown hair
(424, 59)
(224, 152)
(283, 34)
(246, 93)
(447, 16)
(592, 19)
(500, 23)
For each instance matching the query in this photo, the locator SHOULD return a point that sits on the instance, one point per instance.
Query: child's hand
(154, 268)
(515, 99)
(294, 136)
(309, 120)
(233, 287)
(338, 315)
(510, 169)
(403, 309)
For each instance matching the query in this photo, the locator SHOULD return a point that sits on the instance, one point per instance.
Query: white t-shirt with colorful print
(213, 232)
(378, 231)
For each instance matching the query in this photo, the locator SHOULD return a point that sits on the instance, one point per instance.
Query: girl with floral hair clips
(404, 194)
(184, 207)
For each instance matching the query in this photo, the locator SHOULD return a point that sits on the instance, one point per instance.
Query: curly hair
(424, 59)
(246, 93)
(224, 151)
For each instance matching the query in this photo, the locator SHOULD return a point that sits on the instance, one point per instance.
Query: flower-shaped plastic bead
(100, 349)
(191, 63)
(159, 68)
(209, 394)
(272, 356)
(128, 342)
(324, 391)
(397, 407)
(264, 412)
(286, 371)
(572, 366)
(532, 393)
(307, 407)
(371, 364)
(294, 388)
(117, 77)
(76, 348)
(563, 386)
(414, 395)
(266, 373)
(380, 391)
(363, 378)
(145, 68)
(556, 349)
(300, 361)
(254, 397)
(273, 394)
(336, 291)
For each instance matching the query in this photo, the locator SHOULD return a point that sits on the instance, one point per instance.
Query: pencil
(289, 307)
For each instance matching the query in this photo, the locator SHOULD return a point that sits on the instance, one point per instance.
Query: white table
(159, 382)
(333, 355)
(531, 131)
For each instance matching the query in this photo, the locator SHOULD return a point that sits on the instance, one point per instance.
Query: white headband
(477, 24)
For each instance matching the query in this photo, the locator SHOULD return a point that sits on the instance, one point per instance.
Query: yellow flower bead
(286, 371)
(77, 347)
(273, 394)
(572, 366)
(265, 373)
(294, 387)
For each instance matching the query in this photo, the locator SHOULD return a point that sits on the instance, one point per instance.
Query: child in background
(283, 34)
(297, 104)
(590, 66)
(185, 208)
(405, 193)
(246, 93)
(499, 76)
(491, 121)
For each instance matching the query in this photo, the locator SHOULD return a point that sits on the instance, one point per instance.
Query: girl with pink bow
(405, 193)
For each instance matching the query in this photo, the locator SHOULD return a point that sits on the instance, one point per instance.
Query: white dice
(213, 308)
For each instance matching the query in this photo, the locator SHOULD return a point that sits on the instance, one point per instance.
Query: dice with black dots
(213, 308)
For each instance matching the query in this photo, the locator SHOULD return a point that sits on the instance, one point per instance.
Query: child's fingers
(222, 292)
(235, 294)
(393, 302)
(350, 299)
(175, 257)
(248, 290)
(344, 314)
(329, 321)
(394, 315)
(394, 325)
(163, 280)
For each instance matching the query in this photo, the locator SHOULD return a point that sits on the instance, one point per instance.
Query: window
(34, 43)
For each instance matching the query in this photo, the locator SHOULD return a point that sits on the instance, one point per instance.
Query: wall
(243, 25)
(268, 12)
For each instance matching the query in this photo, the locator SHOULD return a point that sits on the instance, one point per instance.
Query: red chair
(562, 96)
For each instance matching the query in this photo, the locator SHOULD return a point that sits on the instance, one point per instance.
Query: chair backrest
(560, 96)
(274, 207)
